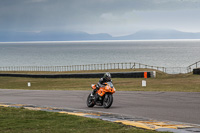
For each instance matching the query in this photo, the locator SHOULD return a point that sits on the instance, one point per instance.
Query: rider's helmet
(107, 76)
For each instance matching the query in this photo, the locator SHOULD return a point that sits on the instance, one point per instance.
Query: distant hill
(78, 36)
(160, 34)
(51, 36)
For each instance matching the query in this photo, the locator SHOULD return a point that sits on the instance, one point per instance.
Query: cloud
(36, 1)
(94, 16)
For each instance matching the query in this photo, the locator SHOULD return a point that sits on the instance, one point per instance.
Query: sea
(163, 53)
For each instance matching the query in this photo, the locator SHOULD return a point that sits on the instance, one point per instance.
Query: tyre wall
(84, 75)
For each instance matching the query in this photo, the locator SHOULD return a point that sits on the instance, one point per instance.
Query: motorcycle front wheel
(90, 101)
(108, 100)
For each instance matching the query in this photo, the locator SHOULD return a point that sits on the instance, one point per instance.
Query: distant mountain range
(160, 34)
(78, 36)
(50, 36)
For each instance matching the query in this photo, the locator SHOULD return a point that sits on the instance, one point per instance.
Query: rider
(106, 78)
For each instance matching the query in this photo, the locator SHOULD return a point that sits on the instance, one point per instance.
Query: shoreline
(79, 41)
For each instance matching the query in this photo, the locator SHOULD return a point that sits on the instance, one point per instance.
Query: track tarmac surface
(172, 106)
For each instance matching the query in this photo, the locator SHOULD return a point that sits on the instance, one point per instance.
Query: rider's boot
(93, 92)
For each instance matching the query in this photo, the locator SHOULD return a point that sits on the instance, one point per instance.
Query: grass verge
(163, 82)
(22, 120)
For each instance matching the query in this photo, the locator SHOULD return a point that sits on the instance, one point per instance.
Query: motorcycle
(103, 97)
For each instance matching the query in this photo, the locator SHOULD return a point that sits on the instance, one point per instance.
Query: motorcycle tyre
(110, 98)
(91, 104)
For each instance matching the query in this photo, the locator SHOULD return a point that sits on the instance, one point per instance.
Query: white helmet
(107, 76)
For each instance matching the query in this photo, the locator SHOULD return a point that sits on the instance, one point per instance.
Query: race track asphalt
(173, 106)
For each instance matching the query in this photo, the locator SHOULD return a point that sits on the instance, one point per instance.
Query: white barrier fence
(106, 66)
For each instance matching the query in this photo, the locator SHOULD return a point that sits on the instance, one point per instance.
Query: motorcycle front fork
(94, 91)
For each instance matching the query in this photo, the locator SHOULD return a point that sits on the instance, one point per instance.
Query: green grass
(13, 120)
(163, 82)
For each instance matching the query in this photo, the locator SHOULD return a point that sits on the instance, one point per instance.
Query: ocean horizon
(164, 52)
(103, 41)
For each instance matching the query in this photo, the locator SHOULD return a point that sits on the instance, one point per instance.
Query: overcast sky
(115, 17)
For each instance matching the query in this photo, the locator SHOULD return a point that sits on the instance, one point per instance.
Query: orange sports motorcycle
(104, 95)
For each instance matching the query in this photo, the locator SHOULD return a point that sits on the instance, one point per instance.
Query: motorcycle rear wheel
(90, 101)
(108, 100)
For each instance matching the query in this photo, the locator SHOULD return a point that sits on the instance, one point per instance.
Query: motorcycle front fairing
(108, 88)
(93, 86)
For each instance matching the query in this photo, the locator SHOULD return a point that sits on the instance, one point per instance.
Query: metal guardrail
(105, 66)
(194, 65)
